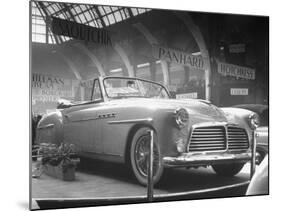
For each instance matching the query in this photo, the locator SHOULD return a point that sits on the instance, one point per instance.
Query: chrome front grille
(214, 139)
(237, 138)
(207, 139)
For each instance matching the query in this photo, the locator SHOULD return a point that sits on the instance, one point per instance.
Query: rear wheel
(139, 156)
(228, 170)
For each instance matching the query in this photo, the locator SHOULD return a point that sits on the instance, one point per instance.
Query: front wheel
(139, 156)
(228, 170)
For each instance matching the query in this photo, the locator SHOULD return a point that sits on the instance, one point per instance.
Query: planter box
(57, 172)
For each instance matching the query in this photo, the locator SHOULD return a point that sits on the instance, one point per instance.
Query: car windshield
(128, 87)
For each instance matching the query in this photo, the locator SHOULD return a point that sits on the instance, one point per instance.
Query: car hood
(194, 107)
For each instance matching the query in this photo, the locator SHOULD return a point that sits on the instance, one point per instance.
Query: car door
(80, 123)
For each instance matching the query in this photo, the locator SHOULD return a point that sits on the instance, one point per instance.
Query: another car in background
(259, 183)
(262, 130)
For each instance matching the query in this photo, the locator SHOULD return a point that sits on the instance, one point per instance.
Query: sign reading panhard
(239, 91)
(192, 95)
(178, 57)
(236, 71)
(80, 31)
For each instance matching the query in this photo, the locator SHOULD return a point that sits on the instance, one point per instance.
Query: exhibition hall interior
(140, 105)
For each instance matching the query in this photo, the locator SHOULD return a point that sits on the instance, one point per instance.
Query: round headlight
(254, 121)
(181, 116)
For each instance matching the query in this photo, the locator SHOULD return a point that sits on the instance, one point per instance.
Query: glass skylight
(92, 15)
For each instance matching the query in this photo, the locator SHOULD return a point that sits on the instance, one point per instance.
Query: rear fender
(50, 129)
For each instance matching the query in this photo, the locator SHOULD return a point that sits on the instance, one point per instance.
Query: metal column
(253, 160)
(150, 168)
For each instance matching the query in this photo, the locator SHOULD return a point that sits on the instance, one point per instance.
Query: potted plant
(59, 161)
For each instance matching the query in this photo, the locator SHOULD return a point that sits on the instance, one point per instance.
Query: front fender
(128, 121)
(237, 115)
(262, 139)
(168, 132)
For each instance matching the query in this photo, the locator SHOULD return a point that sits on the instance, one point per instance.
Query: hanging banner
(236, 71)
(80, 31)
(237, 48)
(47, 90)
(178, 57)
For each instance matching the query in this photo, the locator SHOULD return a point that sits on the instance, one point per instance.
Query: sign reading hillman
(236, 71)
(46, 88)
(178, 57)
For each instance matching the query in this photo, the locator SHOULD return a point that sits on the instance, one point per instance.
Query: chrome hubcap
(142, 156)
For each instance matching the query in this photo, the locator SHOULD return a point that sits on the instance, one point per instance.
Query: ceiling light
(116, 70)
(143, 65)
(196, 53)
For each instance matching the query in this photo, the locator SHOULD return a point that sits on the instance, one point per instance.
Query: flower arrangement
(64, 155)
(58, 160)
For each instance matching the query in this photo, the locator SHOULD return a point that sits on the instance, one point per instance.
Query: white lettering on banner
(192, 95)
(47, 88)
(238, 91)
(178, 57)
(236, 71)
(46, 81)
(44, 98)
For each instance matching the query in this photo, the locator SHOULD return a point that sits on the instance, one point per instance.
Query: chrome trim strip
(100, 153)
(99, 116)
(46, 126)
(209, 124)
(85, 119)
(147, 120)
(226, 136)
(205, 159)
(189, 138)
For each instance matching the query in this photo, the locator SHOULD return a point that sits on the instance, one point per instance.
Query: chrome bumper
(186, 160)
